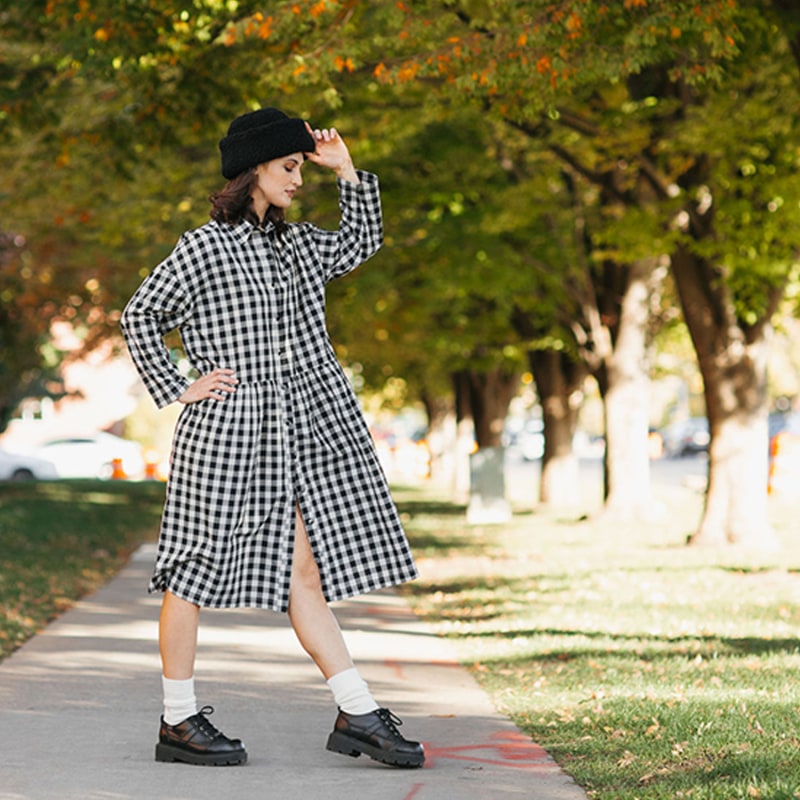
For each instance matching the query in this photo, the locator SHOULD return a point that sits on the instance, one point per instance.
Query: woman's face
(277, 181)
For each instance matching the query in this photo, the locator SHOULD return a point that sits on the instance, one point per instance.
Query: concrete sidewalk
(80, 703)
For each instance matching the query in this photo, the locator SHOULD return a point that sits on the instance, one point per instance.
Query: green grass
(60, 541)
(646, 668)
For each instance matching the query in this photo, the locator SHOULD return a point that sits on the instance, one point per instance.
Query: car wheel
(22, 475)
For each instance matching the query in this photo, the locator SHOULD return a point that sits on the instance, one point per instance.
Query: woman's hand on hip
(216, 385)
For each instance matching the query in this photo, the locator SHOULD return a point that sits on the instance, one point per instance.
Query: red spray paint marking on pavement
(505, 750)
(397, 667)
(414, 790)
(399, 670)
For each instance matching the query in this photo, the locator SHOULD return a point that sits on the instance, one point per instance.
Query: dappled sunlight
(99, 664)
(134, 630)
(103, 660)
(633, 658)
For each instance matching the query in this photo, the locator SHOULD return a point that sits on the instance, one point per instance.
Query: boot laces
(390, 720)
(205, 725)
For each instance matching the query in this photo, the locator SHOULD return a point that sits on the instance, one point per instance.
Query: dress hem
(282, 609)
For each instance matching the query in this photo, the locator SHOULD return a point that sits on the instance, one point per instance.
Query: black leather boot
(197, 741)
(376, 735)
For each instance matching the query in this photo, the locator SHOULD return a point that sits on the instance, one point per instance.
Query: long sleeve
(158, 306)
(360, 233)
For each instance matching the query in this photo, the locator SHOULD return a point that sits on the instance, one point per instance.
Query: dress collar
(243, 230)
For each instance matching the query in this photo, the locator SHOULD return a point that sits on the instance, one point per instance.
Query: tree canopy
(532, 153)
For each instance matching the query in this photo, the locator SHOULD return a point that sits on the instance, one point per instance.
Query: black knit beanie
(260, 136)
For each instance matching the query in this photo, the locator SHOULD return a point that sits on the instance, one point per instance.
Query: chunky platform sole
(169, 753)
(348, 746)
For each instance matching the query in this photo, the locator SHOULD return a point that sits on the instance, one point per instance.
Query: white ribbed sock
(351, 692)
(180, 702)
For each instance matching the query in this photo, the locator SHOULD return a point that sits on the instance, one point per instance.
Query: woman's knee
(305, 575)
(175, 606)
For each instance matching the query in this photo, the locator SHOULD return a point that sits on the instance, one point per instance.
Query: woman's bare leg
(313, 621)
(177, 636)
(182, 723)
(371, 730)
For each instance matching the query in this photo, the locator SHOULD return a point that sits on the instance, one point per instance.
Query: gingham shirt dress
(291, 434)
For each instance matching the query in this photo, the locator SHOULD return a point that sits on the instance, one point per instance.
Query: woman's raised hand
(331, 151)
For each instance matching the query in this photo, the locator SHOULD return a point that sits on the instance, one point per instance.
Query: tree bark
(558, 379)
(489, 396)
(612, 332)
(624, 385)
(733, 362)
(619, 364)
(464, 437)
(441, 434)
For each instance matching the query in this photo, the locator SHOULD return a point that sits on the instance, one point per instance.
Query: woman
(276, 498)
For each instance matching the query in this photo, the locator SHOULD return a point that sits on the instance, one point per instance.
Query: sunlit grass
(61, 540)
(646, 668)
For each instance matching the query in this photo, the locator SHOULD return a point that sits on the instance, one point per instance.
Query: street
(670, 478)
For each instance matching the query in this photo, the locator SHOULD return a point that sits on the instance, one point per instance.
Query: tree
(20, 357)
(701, 55)
(735, 256)
(439, 301)
(94, 93)
(724, 202)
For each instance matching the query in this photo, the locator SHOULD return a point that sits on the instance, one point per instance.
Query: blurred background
(591, 216)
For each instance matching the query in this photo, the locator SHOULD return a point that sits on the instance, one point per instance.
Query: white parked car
(19, 467)
(93, 456)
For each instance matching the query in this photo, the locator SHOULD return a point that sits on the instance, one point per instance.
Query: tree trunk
(489, 395)
(441, 434)
(612, 336)
(558, 379)
(624, 385)
(733, 363)
(464, 437)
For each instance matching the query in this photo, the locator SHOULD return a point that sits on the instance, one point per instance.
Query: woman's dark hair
(234, 203)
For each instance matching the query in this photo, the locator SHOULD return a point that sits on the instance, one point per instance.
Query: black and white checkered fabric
(292, 433)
